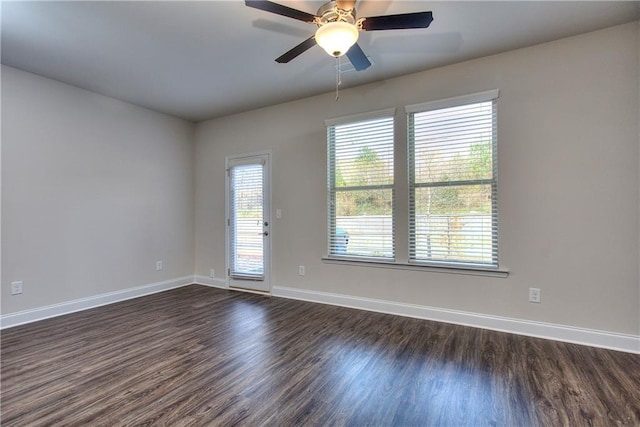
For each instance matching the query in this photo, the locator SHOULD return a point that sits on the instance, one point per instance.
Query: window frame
(332, 190)
(487, 96)
(401, 174)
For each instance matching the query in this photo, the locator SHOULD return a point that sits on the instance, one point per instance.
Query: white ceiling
(199, 60)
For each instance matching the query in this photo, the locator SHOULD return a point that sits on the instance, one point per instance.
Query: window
(453, 210)
(360, 186)
(246, 219)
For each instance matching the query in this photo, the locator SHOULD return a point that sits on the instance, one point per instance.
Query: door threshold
(250, 291)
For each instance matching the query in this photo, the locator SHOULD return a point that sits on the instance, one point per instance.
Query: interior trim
(571, 334)
(434, 268)
(67, 307)
(591, 337)
(211, 281)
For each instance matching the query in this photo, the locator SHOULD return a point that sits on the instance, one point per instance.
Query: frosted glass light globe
(337, 37)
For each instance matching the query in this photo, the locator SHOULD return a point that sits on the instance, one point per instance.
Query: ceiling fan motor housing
(330, 12)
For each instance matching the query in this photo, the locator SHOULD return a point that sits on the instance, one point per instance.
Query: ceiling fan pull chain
(338, 77)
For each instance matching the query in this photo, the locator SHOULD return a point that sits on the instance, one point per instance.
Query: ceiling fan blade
(301, 48)
(357, 57)
(279, 9)
(346, 4)
(398, 22)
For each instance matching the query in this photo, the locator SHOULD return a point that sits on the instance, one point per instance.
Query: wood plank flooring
(198, 356)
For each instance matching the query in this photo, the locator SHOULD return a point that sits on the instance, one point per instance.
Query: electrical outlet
(16, 288)
(301, 270)
(278, 213)
(159, 265)
(212, 273)
(535, 295)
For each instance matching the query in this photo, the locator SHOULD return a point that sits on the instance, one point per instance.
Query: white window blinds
(453, 209)
(360, 188)
(246, 221)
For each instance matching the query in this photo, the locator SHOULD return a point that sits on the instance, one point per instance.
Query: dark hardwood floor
(202, 356)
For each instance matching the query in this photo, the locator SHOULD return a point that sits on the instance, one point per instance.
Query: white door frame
(250, 285)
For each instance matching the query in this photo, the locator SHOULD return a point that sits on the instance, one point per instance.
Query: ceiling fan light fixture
(337, 37)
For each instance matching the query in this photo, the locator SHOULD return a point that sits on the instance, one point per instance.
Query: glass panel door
(248, 223)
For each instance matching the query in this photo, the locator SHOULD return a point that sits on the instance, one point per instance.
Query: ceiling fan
(338, 28)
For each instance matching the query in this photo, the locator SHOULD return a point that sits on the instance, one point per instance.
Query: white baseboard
(210, 281)
(41, 313)
(594, 338)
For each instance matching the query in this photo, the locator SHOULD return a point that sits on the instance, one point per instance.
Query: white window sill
(463, 269)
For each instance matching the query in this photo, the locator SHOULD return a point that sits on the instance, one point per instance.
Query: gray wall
(568, 184)
(94, 191)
